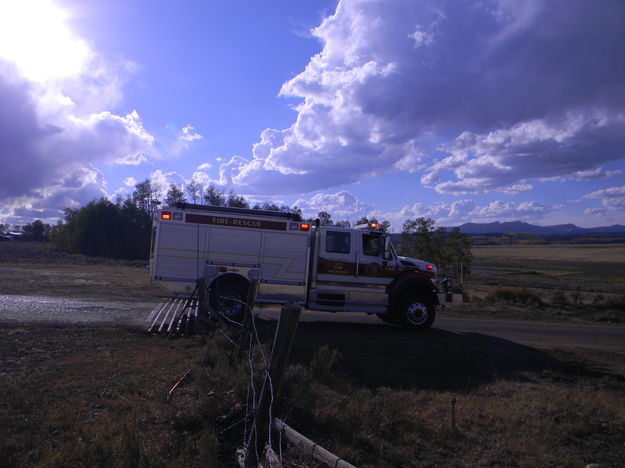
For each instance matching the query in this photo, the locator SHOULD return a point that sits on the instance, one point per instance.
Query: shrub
(516, 296)
(323, 363)
(616, 302)
(558, 298)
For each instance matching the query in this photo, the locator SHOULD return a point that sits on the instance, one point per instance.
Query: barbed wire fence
(264, 379)
(264, 373)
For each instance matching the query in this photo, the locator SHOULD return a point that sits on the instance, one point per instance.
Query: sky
(459, 111)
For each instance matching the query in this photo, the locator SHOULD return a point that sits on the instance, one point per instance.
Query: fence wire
(253, 394)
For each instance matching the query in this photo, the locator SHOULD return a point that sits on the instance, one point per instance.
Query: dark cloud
(48, 146)
(403, 78)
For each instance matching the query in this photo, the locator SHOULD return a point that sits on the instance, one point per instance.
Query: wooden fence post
(247, 318)
(203, 307)
(285, 334)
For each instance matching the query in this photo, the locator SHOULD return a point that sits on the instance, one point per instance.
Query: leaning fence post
(203, 307)
(259, 434)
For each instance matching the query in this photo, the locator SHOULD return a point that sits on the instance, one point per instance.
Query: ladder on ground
(176, 315)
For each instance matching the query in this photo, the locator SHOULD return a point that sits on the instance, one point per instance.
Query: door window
(372, 245)
(337, 242)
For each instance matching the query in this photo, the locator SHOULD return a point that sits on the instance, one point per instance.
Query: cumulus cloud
(56, 122)
(345, 205)
(163, 180)
(611, 198)
(182, 140)
(341, 205)
(498, 92)
(535, 149)
(466, 210)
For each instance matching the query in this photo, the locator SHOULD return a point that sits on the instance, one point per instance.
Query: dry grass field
(577, 283)
(39, 270)
(375, 394)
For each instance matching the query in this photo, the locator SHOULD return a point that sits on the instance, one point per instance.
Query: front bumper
(449, 298)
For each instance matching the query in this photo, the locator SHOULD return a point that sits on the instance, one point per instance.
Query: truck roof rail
(245, 211)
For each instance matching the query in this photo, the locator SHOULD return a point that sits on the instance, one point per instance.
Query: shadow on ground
(384, 355)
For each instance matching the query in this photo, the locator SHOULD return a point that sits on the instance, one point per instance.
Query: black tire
(416, 312)
(230, 302)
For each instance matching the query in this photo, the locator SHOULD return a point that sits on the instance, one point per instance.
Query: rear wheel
(416, 312)
(230, 301)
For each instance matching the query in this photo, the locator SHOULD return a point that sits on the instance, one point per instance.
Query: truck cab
(358, 269)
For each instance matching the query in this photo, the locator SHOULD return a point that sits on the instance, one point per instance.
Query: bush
(598, 298)
(616, 302)
(558, 298)
(323, 363)
(516, 296)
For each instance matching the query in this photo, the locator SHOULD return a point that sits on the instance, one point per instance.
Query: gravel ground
(41, 309)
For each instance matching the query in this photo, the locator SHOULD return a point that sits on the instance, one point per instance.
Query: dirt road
(34, 309)
(41, 309)
(540, 334)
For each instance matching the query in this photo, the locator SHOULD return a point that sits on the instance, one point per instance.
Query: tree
(174, 195)
(450, 249)
(385, 226)
(237, 201)
(325, 218)
(194, 189)
(343, 224)
(214, 196)
(102, 228)
(36, 231)
(146, 195)
(417, 239)
(295, 211)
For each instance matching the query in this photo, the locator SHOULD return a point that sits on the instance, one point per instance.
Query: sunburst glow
(34, 36)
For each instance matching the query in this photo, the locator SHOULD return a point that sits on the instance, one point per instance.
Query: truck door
(374, 271)
(335, 265)
(346, 278)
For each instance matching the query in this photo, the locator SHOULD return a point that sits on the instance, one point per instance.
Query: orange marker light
(374, 225)
(165, 215)
(304, 227)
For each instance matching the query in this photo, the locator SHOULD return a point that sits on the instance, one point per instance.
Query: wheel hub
(417, 313)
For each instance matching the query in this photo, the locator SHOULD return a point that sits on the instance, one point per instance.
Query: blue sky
(455, 110)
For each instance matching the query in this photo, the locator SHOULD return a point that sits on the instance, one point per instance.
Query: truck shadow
(384, 355)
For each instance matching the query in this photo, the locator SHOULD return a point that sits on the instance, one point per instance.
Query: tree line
(122, 229)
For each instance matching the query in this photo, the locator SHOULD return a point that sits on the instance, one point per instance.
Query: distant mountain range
(526, 228)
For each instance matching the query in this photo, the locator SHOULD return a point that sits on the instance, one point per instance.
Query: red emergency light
(304, 227)
(374, 225)
(430, 267)
(166, 215)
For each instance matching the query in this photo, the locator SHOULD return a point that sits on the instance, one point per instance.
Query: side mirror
(387, 248)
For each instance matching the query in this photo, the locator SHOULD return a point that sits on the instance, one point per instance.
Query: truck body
(320, 267)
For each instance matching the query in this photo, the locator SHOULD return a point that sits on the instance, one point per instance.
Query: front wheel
(416, 312)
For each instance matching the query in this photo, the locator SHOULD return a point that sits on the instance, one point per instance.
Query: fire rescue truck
(319, 267)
